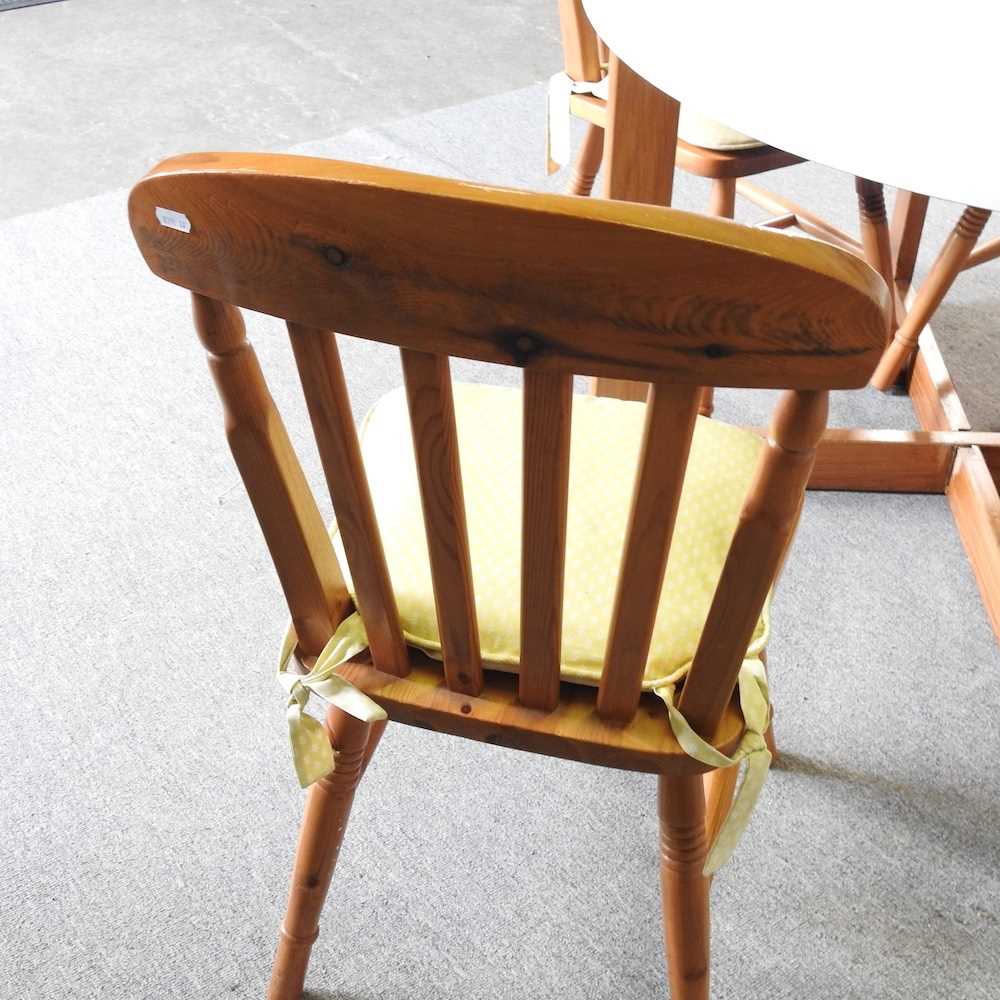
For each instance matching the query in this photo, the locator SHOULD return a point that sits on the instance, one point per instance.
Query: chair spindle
(767, 521)
(292, 526)
(548, 404)
(670, 418)
(435, 445)
(322, 378)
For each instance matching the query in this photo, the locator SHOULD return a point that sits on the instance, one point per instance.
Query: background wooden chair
(705, 147)
(445, 269)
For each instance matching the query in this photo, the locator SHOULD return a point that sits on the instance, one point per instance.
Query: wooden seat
(438, 269)
(572, 730)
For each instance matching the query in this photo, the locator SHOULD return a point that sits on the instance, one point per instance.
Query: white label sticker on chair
(173, 220)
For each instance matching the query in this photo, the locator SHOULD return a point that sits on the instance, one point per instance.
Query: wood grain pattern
(581, 58)
(440, 268)
(640, 138)
(325, 390)
(975, 506)
(545, 495)
(289, 518)
(435, 446)
(884, 461)
(480, 272)
(572, 730)
(666, 441)
(766, 524)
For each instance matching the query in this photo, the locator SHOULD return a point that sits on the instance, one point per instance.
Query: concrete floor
(93, 92)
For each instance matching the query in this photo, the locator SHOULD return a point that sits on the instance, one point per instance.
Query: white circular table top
(906, 93)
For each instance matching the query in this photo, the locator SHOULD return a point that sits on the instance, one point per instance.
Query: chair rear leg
(588, 162)
(683, 846)
(722, 201)
(327, 810)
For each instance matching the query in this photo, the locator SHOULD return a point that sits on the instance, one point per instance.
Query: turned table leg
(950, 261)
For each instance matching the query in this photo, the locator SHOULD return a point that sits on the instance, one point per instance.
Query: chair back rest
(554, 285)
(581, 46)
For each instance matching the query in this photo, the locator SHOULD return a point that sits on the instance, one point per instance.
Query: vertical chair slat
(767, 522)
(670, 417)
(282, 501)
(435, 446)
(581, 53)
(548, 400)
(322, 377)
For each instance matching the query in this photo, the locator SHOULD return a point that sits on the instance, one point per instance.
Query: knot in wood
(334, 255)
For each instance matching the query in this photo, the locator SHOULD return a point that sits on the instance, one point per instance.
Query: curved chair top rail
(543, 282)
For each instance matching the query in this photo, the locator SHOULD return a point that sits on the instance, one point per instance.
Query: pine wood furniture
(442, 269)
(585, 61)
(797, 101)
(586, 58)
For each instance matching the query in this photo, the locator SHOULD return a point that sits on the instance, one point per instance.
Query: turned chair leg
(327, 810)
(588, 162)
(683, 844)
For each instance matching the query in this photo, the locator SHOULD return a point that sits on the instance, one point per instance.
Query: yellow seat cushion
(606, 434)
(699, 130)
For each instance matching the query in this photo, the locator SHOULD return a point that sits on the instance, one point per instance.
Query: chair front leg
(327, 810)
(683, 846)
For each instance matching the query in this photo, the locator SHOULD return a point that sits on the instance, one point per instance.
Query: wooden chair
(443, 269)
(725, 158)
(729, 167)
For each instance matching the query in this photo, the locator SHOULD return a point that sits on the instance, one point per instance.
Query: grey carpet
(14, 4)
(148, 804)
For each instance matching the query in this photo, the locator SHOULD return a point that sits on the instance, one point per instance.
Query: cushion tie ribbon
(752, 748)
(561, 87)
(312, 753)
